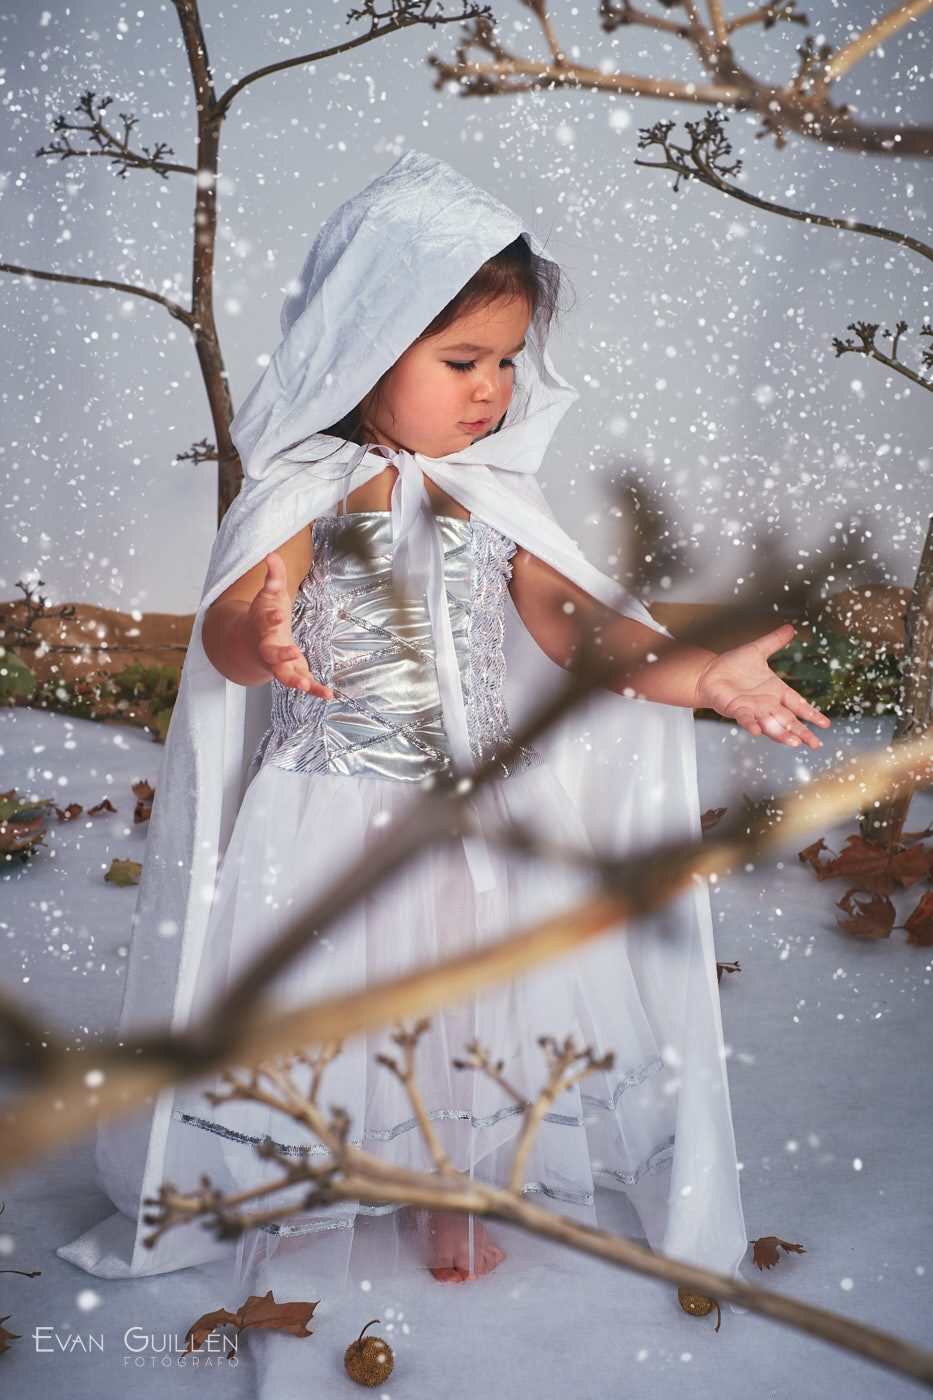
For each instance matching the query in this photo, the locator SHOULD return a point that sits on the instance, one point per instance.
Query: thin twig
(179, 312)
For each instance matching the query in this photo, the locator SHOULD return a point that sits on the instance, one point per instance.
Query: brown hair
(513, 272)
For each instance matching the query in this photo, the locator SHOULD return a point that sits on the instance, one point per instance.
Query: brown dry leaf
(710, 818)
(919, 924)
(765, 1250)
(910, 864)
(869, 864)
(722, 967)
(105, 805)
(810, 855)
(256, 1312)
(870, 917)
(16, 833)
(74, 809)
(5, 1336)
(124, 872)
(144, 793)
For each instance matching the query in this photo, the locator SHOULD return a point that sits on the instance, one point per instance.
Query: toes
(486, 1256)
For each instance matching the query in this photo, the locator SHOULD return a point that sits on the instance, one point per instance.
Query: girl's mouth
(478, 426)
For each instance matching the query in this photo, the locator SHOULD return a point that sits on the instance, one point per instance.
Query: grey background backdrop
(700, 338)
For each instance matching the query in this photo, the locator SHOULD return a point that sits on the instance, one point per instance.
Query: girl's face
(450, 389)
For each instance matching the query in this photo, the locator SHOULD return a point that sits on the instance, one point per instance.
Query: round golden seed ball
(697, 1304)
(368, 1360)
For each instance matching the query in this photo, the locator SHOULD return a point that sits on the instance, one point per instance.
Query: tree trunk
(884, 822)
(206, 340)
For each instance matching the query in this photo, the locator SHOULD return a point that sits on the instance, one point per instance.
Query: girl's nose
(489, 387)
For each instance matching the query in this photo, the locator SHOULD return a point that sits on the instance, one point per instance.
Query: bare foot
(450, 1242)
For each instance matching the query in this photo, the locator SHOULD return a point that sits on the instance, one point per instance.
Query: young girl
(388, 598)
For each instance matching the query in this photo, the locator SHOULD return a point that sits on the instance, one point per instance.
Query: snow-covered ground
(830, 1044)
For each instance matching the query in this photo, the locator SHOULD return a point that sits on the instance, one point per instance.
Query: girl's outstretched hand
(269, 616)
(741, 685)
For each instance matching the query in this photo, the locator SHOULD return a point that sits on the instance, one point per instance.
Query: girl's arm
(737, 683)
(247, 633)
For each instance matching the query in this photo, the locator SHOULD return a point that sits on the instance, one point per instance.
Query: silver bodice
(376, 652)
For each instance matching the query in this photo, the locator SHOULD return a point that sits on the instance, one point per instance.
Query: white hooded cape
(381, 268)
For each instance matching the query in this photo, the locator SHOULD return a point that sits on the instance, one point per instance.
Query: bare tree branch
(702, 161)
(866, 332)
(68, 1095)
(801, 105)
(123, 1077)
(720, 28)
(769, 15)
(106, 143)
(116, 146)
(356, 1175)
(716, 59)
(883, 821)
(403, 16)
(851, 53)
(626, 13)
(172, 307)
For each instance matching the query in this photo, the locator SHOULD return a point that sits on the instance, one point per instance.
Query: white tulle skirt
(602, 1155)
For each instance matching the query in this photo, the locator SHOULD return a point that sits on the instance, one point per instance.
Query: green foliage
(149, 691)
(66, 697)
(13, 806)
(15, 676)
(19, 818)
(841, 675)
(155, 685)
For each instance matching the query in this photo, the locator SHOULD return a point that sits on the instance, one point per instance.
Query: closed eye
(462, 366)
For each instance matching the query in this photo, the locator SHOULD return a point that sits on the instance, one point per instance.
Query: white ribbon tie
(418, 572)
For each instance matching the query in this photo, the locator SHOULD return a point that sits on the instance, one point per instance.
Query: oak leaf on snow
(869, 864)
(919, 924)
(869, 917)
(257, 1311)
(765, 1250)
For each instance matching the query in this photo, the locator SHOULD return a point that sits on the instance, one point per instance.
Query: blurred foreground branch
(352, 1174)
(63, 1108)
(67, 1096)
(239, 1030)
